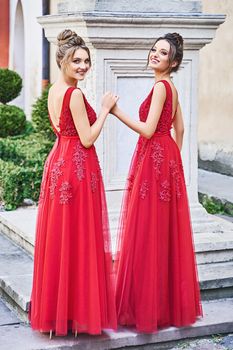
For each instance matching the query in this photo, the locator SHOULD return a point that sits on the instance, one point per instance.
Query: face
(159, 56)
(79, 65)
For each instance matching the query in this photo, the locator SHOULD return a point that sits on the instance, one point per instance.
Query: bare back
(55, 102)
(174, 98)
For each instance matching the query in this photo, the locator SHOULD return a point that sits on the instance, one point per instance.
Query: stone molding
(114, 30)
(190, 6)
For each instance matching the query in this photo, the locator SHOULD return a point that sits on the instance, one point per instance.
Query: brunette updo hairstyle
(68, 42)
(176, 49)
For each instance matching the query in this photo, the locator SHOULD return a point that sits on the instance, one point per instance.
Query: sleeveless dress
(157, 284)
(73, 279)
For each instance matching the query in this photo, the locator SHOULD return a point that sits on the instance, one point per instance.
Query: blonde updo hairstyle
(68, 42)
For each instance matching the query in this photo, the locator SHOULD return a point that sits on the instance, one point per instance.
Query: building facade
(21, 45)
(215, 122)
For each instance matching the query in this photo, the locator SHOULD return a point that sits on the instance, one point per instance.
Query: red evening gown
(72, 282)
(157, 284)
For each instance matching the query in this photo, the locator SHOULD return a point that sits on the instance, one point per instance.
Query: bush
(11, 183)
(215, 205)
(40, 119)
(25, 151)
(12, 120)
(21, 167)
(18, 183)
(10, 85)
(28, 128)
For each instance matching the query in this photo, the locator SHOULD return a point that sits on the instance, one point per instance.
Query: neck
(64, 79)
(161, 76)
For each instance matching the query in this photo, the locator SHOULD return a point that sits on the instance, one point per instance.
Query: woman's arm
(178, 126)
(148, 127)
(88, 134)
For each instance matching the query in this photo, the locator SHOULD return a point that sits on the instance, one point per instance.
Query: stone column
(119, 34)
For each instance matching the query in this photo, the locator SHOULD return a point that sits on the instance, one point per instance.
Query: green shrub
(18, 183)
(40, 119)
(28, 128)
(10, 85)
(25, 151)
(21, 167)
(11, 184)
(12, 120)
(212, 205)
(215, 205)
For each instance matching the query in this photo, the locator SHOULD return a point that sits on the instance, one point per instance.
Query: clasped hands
(109, 101)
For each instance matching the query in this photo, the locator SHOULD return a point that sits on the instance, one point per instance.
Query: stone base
(218, 318)
(214, 157)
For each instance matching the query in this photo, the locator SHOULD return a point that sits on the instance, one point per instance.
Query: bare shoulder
(77, 92)
(76, 97)
(77, 104)
(50, 92)
(159, 90)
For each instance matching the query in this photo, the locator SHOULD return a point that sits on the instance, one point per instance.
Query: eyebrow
(160, 49)
(79, 58)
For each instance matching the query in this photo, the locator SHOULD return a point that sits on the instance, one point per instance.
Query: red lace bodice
(66, 123)
(165, 121)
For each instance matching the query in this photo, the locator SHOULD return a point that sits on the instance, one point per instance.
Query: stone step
(213, 247)
(16, 266)
(215, 185)
(218, 318)
(210, 246)
(216, 280)
(200, 227)
(19, 226)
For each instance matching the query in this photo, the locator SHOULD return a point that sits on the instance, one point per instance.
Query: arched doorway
(18, 54)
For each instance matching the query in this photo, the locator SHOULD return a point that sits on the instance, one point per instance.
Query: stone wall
(215, 125)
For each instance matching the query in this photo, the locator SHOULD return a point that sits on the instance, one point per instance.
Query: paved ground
(13, 332)
(216, 342)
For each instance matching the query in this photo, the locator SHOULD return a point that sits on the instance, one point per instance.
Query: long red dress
(157, 283)
(72, 283)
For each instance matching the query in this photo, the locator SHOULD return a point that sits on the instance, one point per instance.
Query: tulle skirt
(73, 279)
(157, 284)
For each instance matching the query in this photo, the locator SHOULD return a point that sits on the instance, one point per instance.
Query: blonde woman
(72, 286)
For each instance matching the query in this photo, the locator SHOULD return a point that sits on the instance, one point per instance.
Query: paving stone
(7, 317)
(227, 341)
(204, 344)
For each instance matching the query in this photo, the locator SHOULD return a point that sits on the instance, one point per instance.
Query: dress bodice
(66, 123)
(165, 121)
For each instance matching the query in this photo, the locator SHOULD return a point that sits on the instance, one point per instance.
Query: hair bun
(68, 36)
(178, 38)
